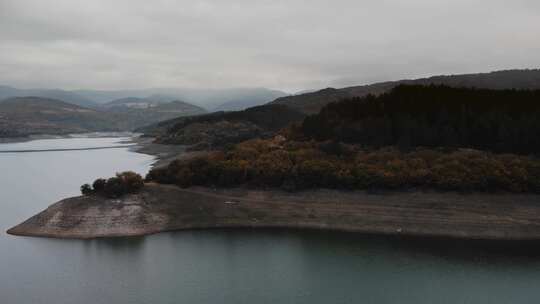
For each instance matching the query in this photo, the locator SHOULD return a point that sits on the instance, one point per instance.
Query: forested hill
(146, 111)
(434, 116)
(22, 116)
(312, 102)
(214, 130)
(413, 137)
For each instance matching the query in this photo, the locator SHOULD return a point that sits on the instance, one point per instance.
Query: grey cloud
(290, 45)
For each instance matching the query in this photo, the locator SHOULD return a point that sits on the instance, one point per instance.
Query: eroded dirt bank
(164, 208)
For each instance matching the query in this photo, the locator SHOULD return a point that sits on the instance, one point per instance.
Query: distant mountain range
(23, 116)
(149, 110)
(138, 101)
(60, 111)
(210, 99)
(307, 101)
(65, 96)
(312, 102)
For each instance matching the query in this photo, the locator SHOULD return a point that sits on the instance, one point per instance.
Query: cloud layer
(290, 45)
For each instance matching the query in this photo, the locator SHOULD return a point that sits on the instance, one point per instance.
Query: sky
(289, 45)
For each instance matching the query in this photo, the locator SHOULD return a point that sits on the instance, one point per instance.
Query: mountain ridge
(206, 98)
(312, 102)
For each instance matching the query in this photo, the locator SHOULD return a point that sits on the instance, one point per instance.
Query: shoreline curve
(160, 208)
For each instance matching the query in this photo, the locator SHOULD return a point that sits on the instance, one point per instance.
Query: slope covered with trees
(433, 137)
(433, 116)
(215, 130)
(313, 102)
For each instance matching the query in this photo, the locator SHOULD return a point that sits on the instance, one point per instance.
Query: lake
(229, 266)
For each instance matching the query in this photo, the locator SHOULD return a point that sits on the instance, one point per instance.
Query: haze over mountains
(210, 99)
(139, 108)
(66, 96)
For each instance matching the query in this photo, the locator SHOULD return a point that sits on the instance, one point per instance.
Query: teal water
(230, 266)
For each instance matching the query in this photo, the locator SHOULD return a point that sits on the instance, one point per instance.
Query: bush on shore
(121, 184)
(296, 165)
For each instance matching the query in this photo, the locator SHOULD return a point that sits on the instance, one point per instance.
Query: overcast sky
(289, 45)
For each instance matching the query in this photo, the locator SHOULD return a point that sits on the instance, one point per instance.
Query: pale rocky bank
(160, 208)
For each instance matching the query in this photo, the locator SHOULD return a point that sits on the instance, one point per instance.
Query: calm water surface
(229, 266)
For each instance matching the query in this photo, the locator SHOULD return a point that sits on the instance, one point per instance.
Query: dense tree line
(433, 116)
(293, 165)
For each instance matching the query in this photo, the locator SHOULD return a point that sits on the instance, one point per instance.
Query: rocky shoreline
(159, 208)
(163, 153)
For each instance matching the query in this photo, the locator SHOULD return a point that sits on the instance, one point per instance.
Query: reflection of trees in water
(349, 244)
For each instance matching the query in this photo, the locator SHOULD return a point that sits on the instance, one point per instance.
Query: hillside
(210, 99)
(413, 137)
(143, 102)
(213, 99)
(312, 102)
(253, 99)
(146, 111)
(22, 116)
(65, 96)
(220, 128)
(434, 116)
(237, 105)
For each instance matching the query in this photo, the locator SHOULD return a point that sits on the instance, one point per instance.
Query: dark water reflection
(237, 266)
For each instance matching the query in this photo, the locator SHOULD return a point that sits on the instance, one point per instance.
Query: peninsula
(417, 160)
